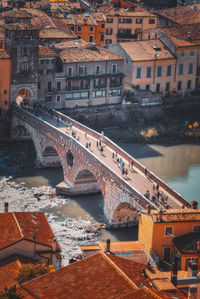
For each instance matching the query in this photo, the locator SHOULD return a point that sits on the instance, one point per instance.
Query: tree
(30, 271)
(10, 293)
(129, 95)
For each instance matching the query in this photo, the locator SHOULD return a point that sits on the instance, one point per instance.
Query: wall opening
(70, 158)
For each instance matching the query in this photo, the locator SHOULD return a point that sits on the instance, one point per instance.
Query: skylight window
(157, 48)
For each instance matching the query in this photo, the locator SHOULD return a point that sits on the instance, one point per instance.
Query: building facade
(81, 77)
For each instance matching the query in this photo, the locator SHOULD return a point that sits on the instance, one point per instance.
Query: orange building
(165, 233)
(90, 27)
(5, 79)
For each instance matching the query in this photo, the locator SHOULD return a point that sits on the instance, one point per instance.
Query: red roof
(25, 225)
(93, 277)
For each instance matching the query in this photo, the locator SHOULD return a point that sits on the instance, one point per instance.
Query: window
(167, 86)
(48, 99)
(41, 61)
(167, 253)
(152, 21)
(69, 84)
(109, 20)
(98, 68)
(190, 71)
(191, 53)
(47, 61)
(99, 94)
(114, 68)
(196, 228)
(108, 41)
(91, 38)
(128, 21)
(158, 87)
(114, 92)
(5, 91)
(24, 51)
(148, 72)
(156, 35)
(79, 36)
(79, 29)
(39, 85)
(169, 70)
(159, 71)
(49, 71)
(189, 83)
(180, 71)
(24, 67)
(5, 103)
(179, 85)
(168, 231)
(182, 54)
(69, 71)
(102, 37)
(58, 86)
(189, 260)
(138, 21)
(77, 95)
(91, 28)
(41, 72)
(138, 72)
(58, 98)
(102, 26)
(147, 87)
(49, 86)
(149, 37)
(109, 31)
(122, 20)
(82, 70)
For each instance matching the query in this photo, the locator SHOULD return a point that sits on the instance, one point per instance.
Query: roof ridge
(15, 218)
(119, 270)
(147, 290)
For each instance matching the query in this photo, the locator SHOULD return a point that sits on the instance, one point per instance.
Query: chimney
(6, 204)
(108, 245)
(192, 269)
(54, 244)
(194, 205)
(149, 209)
(160, 215)
(175, 270)
(192, 292)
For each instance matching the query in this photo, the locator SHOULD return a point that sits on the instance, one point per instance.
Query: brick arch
(20, 131)
(85, 167)
(125, 213)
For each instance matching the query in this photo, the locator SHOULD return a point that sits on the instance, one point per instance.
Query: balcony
(126, 35)
(97, 86)
(77, 88)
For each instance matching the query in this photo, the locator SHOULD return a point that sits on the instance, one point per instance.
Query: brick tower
(21, 42)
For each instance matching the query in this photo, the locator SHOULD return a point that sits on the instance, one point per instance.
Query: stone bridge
(86, 169)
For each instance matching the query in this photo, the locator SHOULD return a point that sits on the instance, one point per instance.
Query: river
(73, 218)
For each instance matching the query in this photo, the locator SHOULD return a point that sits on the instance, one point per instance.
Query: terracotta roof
(94, 277)
(61, 24)
(180, 14)
(86, 55)
(79, 43)
(4, 55)
(35, 12)
(45, 51)
(188, 243)
(25, 225)
(16, 13)
(146, 50)
(20, 26)
(177, 215)
(181, 43)
(54, 33)
(122, 12)
(190, 32)
(98, 16)
(135, 271)
(81, 19)
(43, 22)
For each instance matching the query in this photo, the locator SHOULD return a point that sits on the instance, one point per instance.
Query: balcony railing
(126, 35)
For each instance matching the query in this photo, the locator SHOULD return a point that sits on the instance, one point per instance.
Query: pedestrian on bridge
(86, 145)
(86, 134)
(97, 144)
(157, 187)
(113, 155)
(89, 145)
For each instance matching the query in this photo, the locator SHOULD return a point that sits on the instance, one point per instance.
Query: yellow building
(164, 233)
(5, 69)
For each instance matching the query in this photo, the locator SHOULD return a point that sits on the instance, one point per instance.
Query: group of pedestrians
(157, 196)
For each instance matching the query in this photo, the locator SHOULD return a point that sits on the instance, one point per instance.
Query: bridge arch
(125, 213)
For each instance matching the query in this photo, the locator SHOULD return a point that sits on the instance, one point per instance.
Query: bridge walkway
(135, 178)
